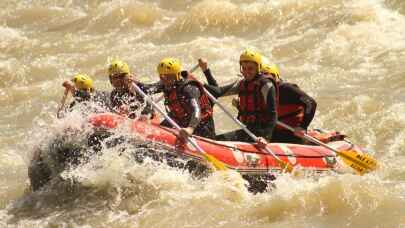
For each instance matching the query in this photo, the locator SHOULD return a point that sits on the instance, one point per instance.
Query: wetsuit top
(291, 94)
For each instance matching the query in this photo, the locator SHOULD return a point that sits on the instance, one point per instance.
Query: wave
(123, 16)
(396, 5)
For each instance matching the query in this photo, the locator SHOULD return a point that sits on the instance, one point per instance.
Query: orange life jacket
(252, 106)
(180, 109)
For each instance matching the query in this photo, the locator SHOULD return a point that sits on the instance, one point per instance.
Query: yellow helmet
(169, 66)
(251, 56)
(118, 67)
(271, 69)
(83, 82)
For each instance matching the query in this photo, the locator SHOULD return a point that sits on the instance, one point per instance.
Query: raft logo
(237, 154)
(252, 160)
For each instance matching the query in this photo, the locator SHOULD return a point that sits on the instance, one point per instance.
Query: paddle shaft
(363, 160)
(194, 68)
(309, 138)
(243, 126)
(312, 139)
(62, 103)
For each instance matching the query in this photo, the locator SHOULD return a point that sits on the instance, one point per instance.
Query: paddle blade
(285, 166)
(360, 162)
(218, 165)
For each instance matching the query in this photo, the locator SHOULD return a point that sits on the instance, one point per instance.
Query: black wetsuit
(291, 94)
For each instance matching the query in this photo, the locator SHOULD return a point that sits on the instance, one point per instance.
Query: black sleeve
(193, 94)
(266, 131)
(271, 107)
(310, 108)
(214, 90)
(219, 91)
(296, 94)
(210, 78)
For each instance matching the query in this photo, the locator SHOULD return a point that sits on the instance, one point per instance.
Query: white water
(348, 55)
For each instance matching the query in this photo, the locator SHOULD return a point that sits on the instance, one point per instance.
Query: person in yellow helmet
(123, 97)
(295, 108)
(258, 94)
(272, 70)
(82, 89)
(185, 100)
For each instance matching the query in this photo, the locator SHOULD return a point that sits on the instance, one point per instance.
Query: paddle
(194, 68)
(285, 165)
(361, 163)
(218, 165)
(59, 113)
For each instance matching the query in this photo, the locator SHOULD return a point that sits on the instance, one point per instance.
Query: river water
(348, 54)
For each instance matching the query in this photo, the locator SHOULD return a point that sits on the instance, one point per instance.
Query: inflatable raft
(150, 140)
(246, 158)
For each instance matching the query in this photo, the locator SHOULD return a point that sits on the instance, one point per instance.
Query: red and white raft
(246, 158)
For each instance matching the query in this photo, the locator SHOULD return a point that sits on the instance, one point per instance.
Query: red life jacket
(252, 106)
(290, 114)
(179, 108)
